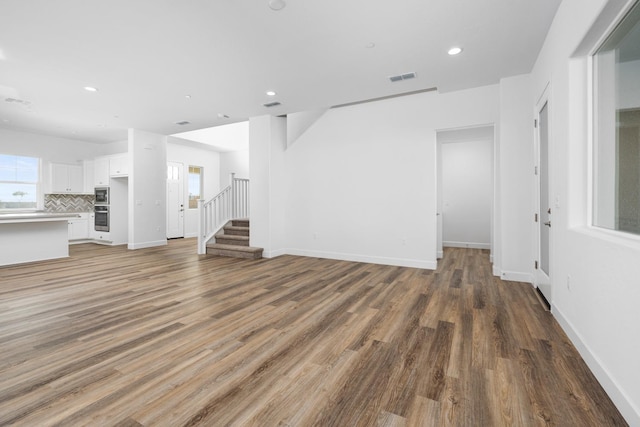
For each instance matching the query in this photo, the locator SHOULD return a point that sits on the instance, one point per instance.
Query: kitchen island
(33, 236)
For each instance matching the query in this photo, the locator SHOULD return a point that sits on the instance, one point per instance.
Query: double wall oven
(101, 209)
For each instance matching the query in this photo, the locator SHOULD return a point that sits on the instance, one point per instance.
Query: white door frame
(439, 201)
(179, 231)
(543, 220)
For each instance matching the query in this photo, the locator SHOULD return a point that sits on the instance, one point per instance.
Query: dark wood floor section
(163, 336)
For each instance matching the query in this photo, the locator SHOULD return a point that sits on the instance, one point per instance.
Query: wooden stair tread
(249, 249)
(232, 237)
(235, 227)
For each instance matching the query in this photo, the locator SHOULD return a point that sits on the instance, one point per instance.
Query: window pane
(18, 182)
(195, 186)
(617, 133)
(17, 196)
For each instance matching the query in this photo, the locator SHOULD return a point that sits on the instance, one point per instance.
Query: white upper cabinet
(89, 176)
(101, 172)
(119, 165)
(66, 178)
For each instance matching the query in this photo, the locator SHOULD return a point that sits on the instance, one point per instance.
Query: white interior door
(544, 211)
(175, 200)
(440, 246)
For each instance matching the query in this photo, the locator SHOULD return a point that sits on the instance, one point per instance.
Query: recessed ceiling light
(188, 96)
(222, 116)
(277, 4)
(271, 93)
(454, 51)
(370, 45)
(90, 89)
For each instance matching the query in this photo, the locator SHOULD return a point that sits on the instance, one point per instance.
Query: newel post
(201, 227)
(232, 177)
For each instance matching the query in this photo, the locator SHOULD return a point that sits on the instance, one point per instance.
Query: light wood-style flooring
(162, 336)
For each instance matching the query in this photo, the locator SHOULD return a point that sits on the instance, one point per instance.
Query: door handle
(548, 223)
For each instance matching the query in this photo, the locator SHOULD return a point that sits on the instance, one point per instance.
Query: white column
(267, 142)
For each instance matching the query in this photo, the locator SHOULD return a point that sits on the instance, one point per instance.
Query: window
(195, 186)
(616, 156)
(19, 182)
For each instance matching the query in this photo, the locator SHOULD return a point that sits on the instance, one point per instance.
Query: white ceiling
(145, 56)
(230, 137)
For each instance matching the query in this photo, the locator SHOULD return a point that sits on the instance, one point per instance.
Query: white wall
(467, 192)
(515, 177)
(194, 154)
(48, 148)
(233, 161)
(594, 272)
(360, 184)
(116, 147)
(147, 189)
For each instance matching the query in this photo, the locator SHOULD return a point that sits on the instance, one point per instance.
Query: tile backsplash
(62, 203)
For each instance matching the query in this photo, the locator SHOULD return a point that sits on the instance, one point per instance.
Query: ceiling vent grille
(400, 77)
(182, 123)
(17, 101)
(271, 104)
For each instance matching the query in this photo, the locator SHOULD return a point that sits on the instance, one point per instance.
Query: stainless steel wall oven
(101, 218)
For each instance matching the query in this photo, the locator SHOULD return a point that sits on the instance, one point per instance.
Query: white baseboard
(147, 244)
(273, 254)
(496, 271)
(514, 276)
(399, 262)
(630, 413)
(469, 245)
(440, 254)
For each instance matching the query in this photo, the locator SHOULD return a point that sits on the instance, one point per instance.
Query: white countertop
(18, 217)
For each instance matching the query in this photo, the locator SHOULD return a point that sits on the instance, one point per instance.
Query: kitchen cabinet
(89, 176)
(119, 165)
(79, 227)
(66, 178)
(101, 172)
(102, 236)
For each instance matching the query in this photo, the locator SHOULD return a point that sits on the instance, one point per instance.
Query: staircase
(233, 241)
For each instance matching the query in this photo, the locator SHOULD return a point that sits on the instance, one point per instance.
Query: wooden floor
(162, 336)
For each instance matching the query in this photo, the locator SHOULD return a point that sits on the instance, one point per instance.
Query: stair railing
(230, 203)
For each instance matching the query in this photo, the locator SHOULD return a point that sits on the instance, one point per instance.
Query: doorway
(544, 212)
(465, 188)
(175, 200)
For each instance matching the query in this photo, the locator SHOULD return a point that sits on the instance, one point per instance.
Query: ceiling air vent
(400, 77)
(271, 104)
(17, 101)
(182, 123)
